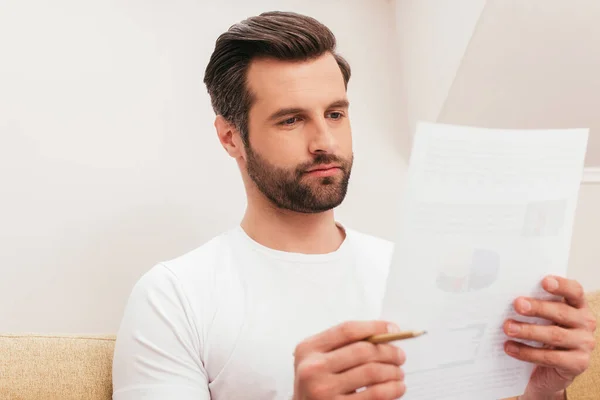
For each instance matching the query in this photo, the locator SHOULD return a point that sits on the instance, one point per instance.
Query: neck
(291, 231)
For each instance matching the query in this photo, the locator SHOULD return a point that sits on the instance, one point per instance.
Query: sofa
(69, 367)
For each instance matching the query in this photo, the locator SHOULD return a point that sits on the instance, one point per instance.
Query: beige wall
(510, 64)
(433, 36)
(584, 263)
(109, 163)
(530, 64)
(108, 158)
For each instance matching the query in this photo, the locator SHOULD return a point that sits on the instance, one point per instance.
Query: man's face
(300, 145)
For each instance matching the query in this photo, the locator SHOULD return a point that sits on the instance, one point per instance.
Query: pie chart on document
(468, 270)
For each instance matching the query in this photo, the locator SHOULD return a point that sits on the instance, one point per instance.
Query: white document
(487, 214)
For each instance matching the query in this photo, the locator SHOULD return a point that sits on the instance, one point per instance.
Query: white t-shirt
(222, 321)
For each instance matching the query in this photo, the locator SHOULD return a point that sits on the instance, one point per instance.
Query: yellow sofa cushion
(49, 367)
(587, 385)
(53, 367)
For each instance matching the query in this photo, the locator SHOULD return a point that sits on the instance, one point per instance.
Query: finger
(570, 289)
(343, 334)
(558, 312)
(363, 352)
(368, 375)
(571, 362)
(385, 391)
(552, 335)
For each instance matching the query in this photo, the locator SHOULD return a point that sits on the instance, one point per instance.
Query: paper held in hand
(486, 215)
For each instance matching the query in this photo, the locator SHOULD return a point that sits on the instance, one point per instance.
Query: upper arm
(158, 347)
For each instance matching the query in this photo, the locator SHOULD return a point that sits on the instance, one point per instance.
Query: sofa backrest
(52, 367)
(49, 367)
(587, 385)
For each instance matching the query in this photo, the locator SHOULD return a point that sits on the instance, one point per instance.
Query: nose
(322, 138)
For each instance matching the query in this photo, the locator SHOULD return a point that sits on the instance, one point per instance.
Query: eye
(336, 115)
(289, 121)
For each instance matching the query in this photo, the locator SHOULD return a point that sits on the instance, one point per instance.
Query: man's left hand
(567, 343)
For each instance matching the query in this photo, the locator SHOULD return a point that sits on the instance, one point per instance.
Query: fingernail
(513, 328)
(525, 305)
(393, 328)
(512, 348)
(552, 284)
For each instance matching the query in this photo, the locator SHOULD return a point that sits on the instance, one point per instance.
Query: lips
(324, 171)
(324, 168)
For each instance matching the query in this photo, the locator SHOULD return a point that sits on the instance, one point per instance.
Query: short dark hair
(280, 35)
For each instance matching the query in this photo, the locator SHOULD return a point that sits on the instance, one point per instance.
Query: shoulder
(373, 258)
(373, 252)
(200, 266)
(193, 280)
(368, 241)
(373, 246)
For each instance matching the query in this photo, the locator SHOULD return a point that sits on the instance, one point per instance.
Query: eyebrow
(282, 112)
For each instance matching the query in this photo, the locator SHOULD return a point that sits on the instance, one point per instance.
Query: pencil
(390, 337)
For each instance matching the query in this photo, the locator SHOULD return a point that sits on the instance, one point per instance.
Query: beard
(292, 189)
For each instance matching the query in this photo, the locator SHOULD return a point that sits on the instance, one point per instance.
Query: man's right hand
(336, 363)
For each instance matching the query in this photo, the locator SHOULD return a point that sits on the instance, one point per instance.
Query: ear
(229, 137)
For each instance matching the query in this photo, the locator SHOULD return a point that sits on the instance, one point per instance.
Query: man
(278, 307)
